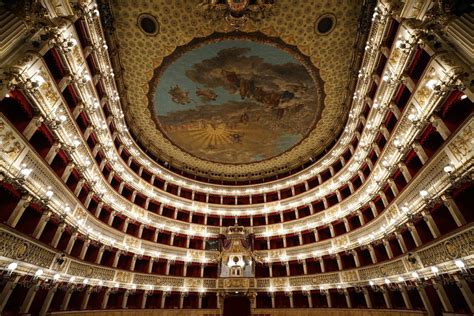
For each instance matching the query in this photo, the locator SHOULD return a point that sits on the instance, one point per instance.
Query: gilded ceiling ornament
(235, 12)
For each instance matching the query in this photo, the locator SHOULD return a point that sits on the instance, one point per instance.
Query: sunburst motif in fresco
(236, 101)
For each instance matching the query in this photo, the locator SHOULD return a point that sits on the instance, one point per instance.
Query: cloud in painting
(282, 86)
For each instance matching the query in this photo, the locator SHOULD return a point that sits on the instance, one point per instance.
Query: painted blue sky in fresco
(176, 74)
(236, 100)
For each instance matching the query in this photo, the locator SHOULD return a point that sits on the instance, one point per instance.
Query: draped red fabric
(236, 306)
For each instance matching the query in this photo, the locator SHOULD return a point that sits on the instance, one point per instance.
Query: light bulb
(423, 193)
(459, 264)
(434, 269)
(38, 273)
(56, 276)
(448, 168)
(49, 194)
(12, 266)
(415, 275)
(431, 83)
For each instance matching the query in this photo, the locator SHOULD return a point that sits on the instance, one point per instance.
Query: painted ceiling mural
(180, 24)
(236, 99)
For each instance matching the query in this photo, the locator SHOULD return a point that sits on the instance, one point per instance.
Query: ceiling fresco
(235, 99)
(201, 123)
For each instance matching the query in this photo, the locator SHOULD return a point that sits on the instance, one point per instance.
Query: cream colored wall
(266, 312)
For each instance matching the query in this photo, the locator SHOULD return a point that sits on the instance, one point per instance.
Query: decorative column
(181, 299)
(395, 110)
(305, 267)
(100, 254)
(116, 258)
(401, 242)
(361, 218)
(167, 272)
(134, 261)
(30, 295)
(78, 188)
(321, 263)
(310, 301)
(71, 242)
(339, 262)
(368, 301)
(406, 297)
(420, 152)
(67, 172)
(346, 224)
(431, 224)
(58, 234)
(125, 225)
(443, 297)
(125, 299)
(348, 298)
(356, 258)
(7, 291)
(253, 300)
(373, 208)
(18, 211)
(52, 153)
(163, 300)
(466, 292)
(150, 265)
(32, 127)
(405, 172)
(67, 297)
(440, 127)
(85, 298)
(388, 249)
(111, 218)
(386, 298)
(426, 300)
(290, 295)
(47, 300)
(331, 230)
(219, 299)
(384, 198)
(414, 234)
(328, 299)
(453, 209)
(372, 253)
(393, 186)
(105, 300)
(41, 224)
(144, 298)
(85, 245)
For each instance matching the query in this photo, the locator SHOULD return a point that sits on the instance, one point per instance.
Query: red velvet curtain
(236, 306)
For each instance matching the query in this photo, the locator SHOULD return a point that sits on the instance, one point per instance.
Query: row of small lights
(49, 193)
(86, 281)
(67, 210)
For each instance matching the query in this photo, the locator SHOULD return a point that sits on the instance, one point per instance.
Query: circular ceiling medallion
(148, 24)
(325, 24)
(236, 99)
